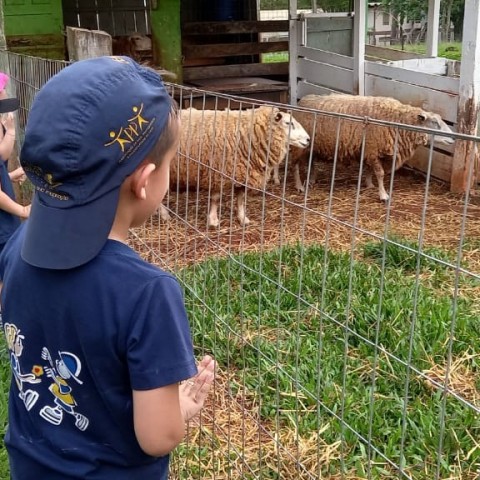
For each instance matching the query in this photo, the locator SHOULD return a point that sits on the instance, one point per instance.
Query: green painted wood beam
(167, 36)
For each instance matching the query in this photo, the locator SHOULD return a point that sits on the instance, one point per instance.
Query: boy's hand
(194, 391)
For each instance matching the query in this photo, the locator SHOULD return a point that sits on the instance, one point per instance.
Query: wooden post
(469, 98)
(3, 42)
(432, 27)
(293, 50)
(167, 36)
(359, 47)
(83, 43)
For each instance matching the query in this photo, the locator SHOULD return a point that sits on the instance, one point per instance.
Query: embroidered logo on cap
(131, 136)
(45, 182)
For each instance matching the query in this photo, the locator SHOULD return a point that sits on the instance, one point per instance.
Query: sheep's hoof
(164, 215)
(213, 223)
(244, 222)
(300, 188)
(385, 198)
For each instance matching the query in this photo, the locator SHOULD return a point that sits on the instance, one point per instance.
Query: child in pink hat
(10, 211)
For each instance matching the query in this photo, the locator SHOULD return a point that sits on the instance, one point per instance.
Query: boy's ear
(140, 178)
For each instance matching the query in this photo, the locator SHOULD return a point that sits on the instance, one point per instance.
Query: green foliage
(400, 253)
(451, 50)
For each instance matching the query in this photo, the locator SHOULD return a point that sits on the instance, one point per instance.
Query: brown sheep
(380, 141)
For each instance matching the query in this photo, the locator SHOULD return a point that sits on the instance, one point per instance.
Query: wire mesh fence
(346, 329)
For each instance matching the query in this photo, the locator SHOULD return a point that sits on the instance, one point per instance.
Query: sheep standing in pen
(384, 145)
(219, 149)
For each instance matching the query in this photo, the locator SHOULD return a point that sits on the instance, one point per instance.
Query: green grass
(451, 50)
(268, 318)
(274, 57)
(4, 387)
(297, 329)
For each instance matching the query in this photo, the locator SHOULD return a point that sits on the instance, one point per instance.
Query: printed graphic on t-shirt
(60, 373)
(15, 345)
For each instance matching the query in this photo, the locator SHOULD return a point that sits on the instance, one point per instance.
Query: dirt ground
(282, 215)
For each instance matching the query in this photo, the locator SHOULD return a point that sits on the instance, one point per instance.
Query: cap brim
(9, 105)
(64, 238)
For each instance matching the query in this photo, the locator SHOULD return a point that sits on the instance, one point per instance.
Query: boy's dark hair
(169, 136)
(89, 128)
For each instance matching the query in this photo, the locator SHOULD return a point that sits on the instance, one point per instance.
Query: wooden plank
(296, 28)
(464, 162)
(432, 27)
(221, 28)
(306, 88)
(242, 70)
(231, 49)
(435, 65)
(389, 53)
(328, 24)
(325, 75)
(436, 82)
(359, 33)
(326, 57)
(441, 163)
(445, 104)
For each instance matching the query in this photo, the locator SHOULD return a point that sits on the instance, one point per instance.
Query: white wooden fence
(421, 82)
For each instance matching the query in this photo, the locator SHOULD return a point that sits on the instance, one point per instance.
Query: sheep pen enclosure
(346, 329)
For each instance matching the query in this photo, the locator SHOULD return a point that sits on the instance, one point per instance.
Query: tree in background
(401, 11)
(405, 10)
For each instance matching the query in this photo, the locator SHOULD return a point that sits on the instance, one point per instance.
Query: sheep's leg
(380, 174)
(368, 179)
(276, 177)
(313, 172)
(213, 213)
(241, 203)
(164, 215)
(298, 181)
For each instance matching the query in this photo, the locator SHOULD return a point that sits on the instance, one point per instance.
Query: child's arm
(8, 141)
(160, 414)
(11, 206)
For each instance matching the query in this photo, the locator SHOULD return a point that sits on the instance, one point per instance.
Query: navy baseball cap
(89, 127)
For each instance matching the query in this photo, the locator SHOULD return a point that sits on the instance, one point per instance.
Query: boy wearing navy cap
(10, 210)
(98, 338)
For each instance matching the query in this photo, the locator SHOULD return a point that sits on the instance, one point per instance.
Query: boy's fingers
(205, 361)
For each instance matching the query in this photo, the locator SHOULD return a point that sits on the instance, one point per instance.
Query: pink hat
(3, 80)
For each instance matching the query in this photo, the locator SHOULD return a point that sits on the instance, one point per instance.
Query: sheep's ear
(422, 117)
(278, 116)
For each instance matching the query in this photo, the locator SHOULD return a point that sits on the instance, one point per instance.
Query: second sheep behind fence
(383, 147)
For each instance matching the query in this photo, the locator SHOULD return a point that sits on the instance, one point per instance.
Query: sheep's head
(295, 133)
(434, 121)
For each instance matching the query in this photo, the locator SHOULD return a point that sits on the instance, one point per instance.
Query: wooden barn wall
(118, 18)
(34, 27)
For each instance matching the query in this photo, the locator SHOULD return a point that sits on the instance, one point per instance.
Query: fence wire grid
(345, 328)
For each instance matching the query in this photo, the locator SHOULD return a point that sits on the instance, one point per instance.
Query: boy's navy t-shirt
(79, 341)
(8, 222)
